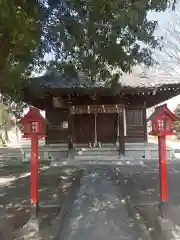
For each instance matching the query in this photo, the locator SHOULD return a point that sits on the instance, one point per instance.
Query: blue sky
(163, 18)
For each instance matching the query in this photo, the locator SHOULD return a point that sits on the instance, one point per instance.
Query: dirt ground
(15, 208)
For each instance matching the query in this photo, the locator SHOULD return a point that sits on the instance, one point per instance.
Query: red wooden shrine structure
(33, 128)
(162, 122)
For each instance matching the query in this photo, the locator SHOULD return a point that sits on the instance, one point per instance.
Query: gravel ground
(99, 210)
(15, 200)
(139, 182)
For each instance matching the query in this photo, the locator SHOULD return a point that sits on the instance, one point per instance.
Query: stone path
(98, 212)
(141, 184)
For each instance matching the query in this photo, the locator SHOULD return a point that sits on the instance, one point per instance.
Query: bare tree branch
(168, 57)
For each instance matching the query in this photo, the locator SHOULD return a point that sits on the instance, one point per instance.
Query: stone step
(10, 156)
(106, 158)
(59, 151)
(97, 153)
(98, 160)
(79, 146)
(117, 158)
(11, 153)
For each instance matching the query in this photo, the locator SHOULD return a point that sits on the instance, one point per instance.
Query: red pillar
(34, 170)
(163, 169)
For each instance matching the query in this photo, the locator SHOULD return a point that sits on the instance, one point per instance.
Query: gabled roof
(148, 79)
(59, 80)
(154, 87)
(32, 115)
(162, 109)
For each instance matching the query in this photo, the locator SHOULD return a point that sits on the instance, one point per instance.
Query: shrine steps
(133, 150)
(59, 152)
(97, 160)
(97, 151)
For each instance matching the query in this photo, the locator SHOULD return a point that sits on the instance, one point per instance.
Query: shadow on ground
(140, 183)
(142, 186)
(15, 198)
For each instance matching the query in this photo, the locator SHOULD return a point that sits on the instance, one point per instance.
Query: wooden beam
(58, 102)
(91, 109)
(121, 133)
(145, 123)
(70, 136)
(70, 131)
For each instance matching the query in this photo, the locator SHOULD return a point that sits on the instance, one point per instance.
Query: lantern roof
(163, 109)
(33, 115)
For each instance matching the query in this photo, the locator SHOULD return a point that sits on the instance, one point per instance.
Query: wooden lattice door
(84, 128)
(107, 128)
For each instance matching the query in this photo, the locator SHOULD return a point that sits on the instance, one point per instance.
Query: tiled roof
(155, 113)
(149, 78)
(59, 80)
(159, 110)
(143, 80)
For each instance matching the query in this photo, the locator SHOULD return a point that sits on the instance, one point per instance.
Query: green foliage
(101, 38)
(9, 112)
(6, 123)
(20, 41)
(177, 110)
(176, 125)
(15, 108)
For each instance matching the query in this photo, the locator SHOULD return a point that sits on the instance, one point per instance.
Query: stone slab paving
(142, 185)
(70, 180)
(15, 200)
(98, 212)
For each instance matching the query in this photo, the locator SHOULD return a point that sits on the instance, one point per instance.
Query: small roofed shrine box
(33, 124)
(162, 121)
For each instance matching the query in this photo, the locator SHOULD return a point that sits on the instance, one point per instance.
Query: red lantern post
(163, 176)
(34, 172)
(34, 129)
(161, 121)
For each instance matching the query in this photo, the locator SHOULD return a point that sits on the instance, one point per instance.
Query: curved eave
(161, 95)
(151, 95)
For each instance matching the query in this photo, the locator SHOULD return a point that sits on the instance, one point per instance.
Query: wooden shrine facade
(77, 113)
(97, 124)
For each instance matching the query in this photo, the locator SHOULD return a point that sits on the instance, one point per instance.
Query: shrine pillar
(145, 123)
(70, 131)
(117, 137)
(121, 131)
(95, 130)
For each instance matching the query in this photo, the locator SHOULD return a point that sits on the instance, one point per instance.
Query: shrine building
(95, 115)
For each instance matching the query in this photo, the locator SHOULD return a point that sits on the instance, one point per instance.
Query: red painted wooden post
(161, 120)
(163, 170)
(34, 128)
(34, 171)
